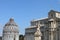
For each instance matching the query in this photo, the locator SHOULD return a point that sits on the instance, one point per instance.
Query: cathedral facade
(10, 31)
(44, 29)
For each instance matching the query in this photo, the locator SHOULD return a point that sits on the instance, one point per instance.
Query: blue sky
(23, 11)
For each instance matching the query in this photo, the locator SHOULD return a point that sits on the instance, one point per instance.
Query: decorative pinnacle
(11, 19)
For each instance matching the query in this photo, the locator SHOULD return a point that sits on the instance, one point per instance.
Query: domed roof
(11, 22)
(11, 26)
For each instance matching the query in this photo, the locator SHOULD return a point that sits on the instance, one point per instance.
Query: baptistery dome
(11, 26)
(10, 30)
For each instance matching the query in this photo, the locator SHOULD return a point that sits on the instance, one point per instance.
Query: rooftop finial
(11, 19)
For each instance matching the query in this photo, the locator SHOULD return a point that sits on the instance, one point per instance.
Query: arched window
(51, 15)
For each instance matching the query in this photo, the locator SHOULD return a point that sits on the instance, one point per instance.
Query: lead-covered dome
(11, 26)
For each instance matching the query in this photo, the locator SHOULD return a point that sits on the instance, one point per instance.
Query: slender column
(51, 29)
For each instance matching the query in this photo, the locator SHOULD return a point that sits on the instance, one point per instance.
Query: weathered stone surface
(10, 31)
(49, 28)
